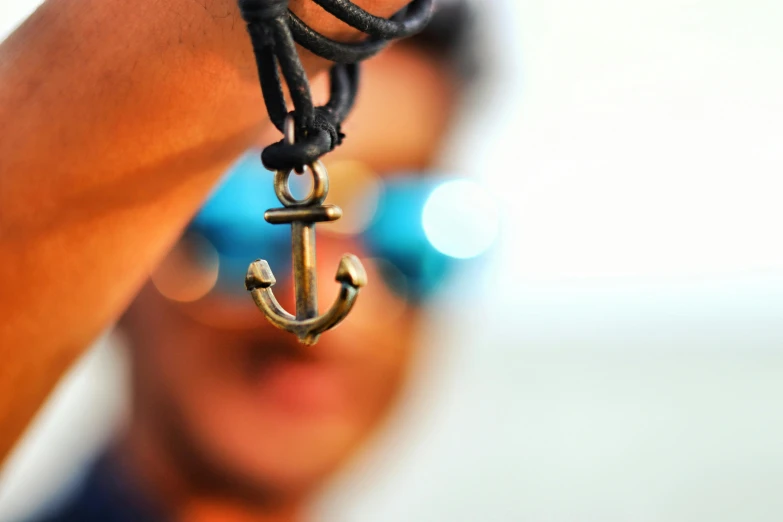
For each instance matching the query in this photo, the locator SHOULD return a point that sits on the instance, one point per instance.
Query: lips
(308, 388)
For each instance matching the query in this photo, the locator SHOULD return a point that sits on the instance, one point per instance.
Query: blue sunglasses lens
(232, 221)
(414, 269)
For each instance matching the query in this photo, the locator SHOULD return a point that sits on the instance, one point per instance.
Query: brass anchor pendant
(302, 215)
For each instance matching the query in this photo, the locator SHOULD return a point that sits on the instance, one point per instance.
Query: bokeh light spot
(460, 219)
(189, 272)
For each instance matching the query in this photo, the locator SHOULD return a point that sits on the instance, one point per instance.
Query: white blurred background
(626, 363)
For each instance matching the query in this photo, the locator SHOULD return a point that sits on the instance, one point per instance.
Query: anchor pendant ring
(302, 215)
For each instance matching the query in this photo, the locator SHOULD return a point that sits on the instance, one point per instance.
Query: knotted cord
(274, 30)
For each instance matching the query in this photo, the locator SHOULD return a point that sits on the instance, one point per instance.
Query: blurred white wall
(626, 359)
(12, 14)
(626, 363)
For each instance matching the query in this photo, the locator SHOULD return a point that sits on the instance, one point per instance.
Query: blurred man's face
(239, 405)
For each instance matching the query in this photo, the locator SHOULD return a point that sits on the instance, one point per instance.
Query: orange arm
(116, 119)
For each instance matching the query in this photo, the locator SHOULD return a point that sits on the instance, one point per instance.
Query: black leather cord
(333, 50)
(409, 21)
(273, 30)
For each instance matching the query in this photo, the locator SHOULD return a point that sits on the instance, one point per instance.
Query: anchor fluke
(351, 272)
(259, 275)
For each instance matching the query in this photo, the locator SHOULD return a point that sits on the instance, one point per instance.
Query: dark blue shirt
(105, 495)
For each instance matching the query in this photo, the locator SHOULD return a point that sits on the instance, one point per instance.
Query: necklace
(309, 133)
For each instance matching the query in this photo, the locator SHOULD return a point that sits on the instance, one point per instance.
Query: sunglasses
(416, 228)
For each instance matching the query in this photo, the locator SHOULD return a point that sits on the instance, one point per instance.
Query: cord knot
(321, 136)
(324, 119)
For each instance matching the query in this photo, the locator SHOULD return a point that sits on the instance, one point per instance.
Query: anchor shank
(306, 289)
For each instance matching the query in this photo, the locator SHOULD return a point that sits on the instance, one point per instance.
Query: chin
(262, 455)
(293, 469)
